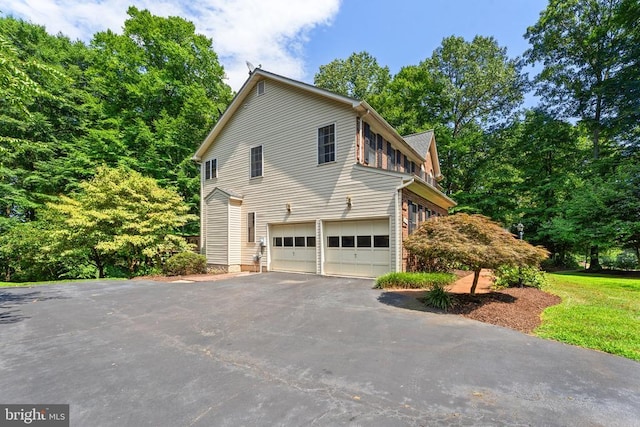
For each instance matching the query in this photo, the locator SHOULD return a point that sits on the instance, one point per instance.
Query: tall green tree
(159, 89)
(38, 118)
(587, 48)
(582, 48)
(461, 90)
(359, 76)
(548, 153)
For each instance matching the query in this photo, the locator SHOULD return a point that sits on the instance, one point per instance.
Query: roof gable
(228, 194)
(420, 142)
(255, 76)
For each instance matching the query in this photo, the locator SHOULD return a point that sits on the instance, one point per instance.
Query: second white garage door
(293, 247)
(357, 248)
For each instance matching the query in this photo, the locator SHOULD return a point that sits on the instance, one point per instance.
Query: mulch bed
(515, 308)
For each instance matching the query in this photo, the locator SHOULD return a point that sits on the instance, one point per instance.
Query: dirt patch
(515, 308)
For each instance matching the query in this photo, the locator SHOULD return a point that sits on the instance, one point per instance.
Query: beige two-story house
(297, 178)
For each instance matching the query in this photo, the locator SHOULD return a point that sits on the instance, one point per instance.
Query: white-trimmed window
(327, 144)
(260, 87)
(211, 169)
(251, 227)
(256, 161)
(413, 214)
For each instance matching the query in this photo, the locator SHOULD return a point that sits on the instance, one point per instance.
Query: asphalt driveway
(286, 349)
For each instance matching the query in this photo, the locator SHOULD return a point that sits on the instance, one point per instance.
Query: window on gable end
(211, 169)
(256, 161)
(260, 87)
(327, 144)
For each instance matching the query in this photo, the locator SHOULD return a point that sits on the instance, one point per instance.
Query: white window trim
(215, 159)
(264, 88)
(251, 161)
(335, 143)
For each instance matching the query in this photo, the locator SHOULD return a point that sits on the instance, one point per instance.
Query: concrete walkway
(463, 285)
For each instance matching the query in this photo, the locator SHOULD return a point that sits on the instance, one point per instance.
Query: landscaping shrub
(438, 297)
(514, 276)
(185, 263)
(405, 280)
(624, 260)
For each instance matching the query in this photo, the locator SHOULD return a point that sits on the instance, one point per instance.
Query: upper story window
(256, 161)
(211, 169)
(379, 155)
(369, 145)
(391, 157)
(327, 144)
(260, 88)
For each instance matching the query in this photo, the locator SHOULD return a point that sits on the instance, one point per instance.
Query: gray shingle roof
(420, 142)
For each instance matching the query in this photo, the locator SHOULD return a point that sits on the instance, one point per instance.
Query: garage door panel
(367, 252)
(293, 248)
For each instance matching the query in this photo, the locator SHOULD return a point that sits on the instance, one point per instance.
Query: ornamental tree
(473, 241)
(121, 217)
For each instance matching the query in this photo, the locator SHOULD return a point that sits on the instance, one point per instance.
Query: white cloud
(267, 32)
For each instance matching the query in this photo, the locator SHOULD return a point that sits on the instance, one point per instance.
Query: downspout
(202, 247)
(398, 229)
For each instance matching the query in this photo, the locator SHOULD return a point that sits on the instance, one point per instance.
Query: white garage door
(357, 248)
(293, 247)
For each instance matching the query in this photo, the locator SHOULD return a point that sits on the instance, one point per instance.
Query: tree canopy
(145, 98)
(359, 76)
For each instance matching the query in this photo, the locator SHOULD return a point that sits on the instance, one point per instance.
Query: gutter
(397, 226)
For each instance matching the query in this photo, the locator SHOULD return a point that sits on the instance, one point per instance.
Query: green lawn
(51, 282)
(597, 311)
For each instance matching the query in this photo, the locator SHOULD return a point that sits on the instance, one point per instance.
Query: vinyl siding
(235, 247)
(285, 121)
(217, 231)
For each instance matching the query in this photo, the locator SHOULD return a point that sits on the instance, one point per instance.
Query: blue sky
(295, 37)
(406, 32)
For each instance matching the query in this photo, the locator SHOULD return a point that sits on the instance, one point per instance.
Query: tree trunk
(476, 276)
(594, 259)
(98, 262)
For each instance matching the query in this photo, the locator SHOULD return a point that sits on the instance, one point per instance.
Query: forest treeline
(143, 100)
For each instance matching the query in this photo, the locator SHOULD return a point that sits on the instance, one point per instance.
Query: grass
(404, 280)
(597, 311)
(50, 282)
